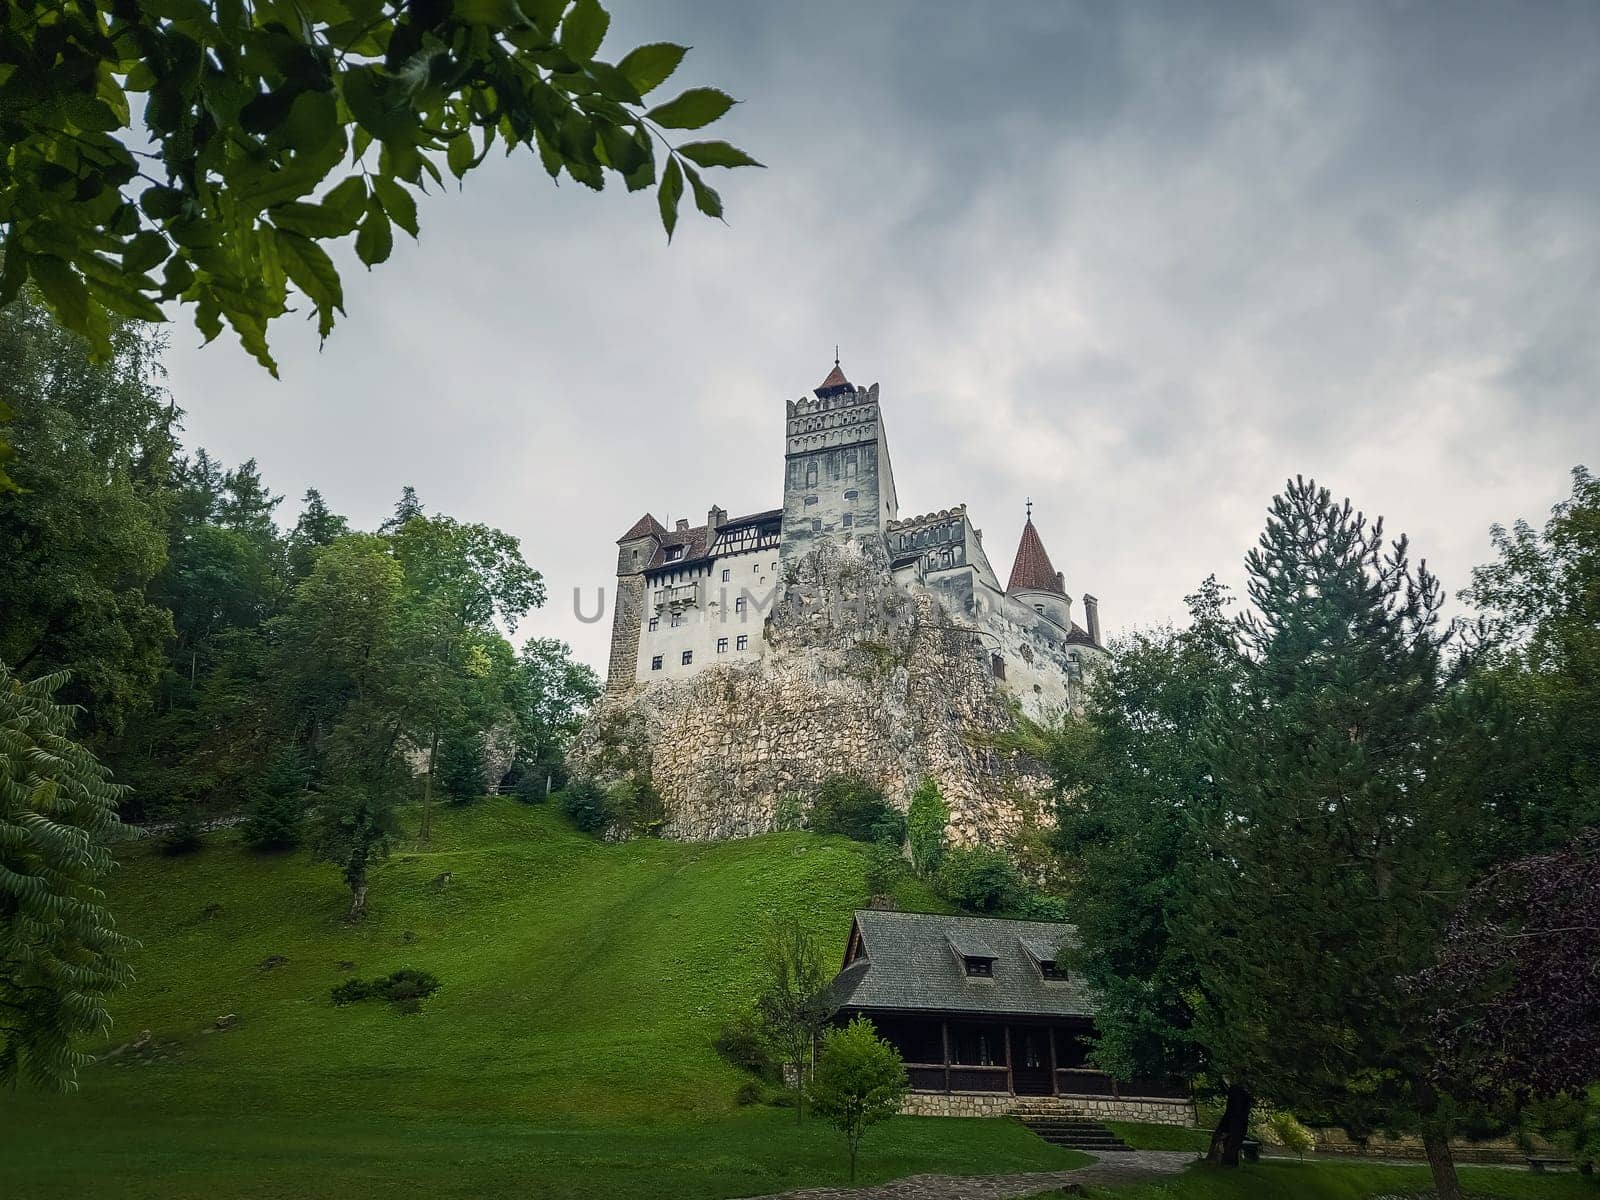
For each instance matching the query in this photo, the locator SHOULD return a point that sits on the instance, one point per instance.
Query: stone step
(1075, 1133)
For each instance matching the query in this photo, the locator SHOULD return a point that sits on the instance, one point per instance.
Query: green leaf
(161, 203)
(64, 289)
(313, 273)
(312, 122)
(648, 67)
(375, 239)
(312, 220)
(668, 195)
(496, 14)
(705, 196)
(696, 107)
(146, 250)
(397, 202)
(584, 29)
(459, 154)
(716, 154)
(348, 198)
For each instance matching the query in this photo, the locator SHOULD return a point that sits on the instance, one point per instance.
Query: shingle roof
(1032, 571)
(646, 524)
(907, 964)
(835, 382)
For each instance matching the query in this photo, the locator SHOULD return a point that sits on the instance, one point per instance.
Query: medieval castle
(695, 597)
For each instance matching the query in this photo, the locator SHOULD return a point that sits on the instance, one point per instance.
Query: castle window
(1039, 608)
(674, 553)
(810, 500)
(743, 643)
(677, 619)
(997, 666)
(726, 575)
(722, 645)
(850, 465)
(811, 473)
(655, 663)
(851, 494)
(655, 624)
(738, 604)
(847, 520)
(688, 657)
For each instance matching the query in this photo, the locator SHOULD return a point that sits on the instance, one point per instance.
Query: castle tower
(1035, 582)
(636, 550)
(837, 480)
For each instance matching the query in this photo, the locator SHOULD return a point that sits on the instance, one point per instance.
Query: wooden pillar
(1011, 1081)
(944, 1033)
(1055, 1079)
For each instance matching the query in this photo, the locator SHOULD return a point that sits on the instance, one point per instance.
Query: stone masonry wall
(859, 677)
(991, 1104)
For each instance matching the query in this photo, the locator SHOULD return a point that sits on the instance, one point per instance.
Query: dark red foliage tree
(1520, 968)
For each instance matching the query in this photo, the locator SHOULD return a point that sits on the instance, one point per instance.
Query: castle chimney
(683, 524)
(717, 516)
(1091, 617)
(1061, 583)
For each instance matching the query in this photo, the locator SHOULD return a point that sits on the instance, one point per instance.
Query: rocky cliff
(859, 678)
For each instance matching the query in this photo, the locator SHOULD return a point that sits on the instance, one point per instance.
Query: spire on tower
(1032, 572)
(835, 383)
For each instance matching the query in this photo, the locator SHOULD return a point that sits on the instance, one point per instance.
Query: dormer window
(1052, 971)
(979, 968)
(674, 553)
(975, 956)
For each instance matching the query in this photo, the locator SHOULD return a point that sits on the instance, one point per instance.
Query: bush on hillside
(857, 810)
(460, 769)
(886, 868)
(926, 820)
(790, 813)
(277, 811)
(740, 1043)
(185, 835)
(584, 803)
(982, 879)
(406, 988)
(634, 808)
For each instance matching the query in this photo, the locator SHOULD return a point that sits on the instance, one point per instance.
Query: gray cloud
(1140, 262)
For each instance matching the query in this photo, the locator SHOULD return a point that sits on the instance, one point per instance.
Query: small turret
(1035, 582)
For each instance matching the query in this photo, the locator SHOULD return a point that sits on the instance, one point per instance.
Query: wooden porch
(1011, 1056)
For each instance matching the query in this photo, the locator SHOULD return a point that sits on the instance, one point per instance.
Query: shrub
(459, 769)
(790, 813)
(1283, 1129)
(633, 806)
(185, 835)
(739, 1042)
(750, 1092)
(856, 809)
(406, 988)
(886, 867)
(982, 879)
(585, 803)
(925, 827)
(278, 808)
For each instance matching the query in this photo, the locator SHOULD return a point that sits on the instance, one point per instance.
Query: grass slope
(567, 1054)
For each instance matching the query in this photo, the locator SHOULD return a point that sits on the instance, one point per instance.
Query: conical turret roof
(1032, 572)
(835, 382)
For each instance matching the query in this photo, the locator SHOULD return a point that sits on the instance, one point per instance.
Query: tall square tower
(837, 480)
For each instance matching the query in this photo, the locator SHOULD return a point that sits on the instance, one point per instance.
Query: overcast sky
(1139, 262)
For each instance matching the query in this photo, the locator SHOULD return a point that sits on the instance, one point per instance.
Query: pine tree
(317, 527)
(1331, 853)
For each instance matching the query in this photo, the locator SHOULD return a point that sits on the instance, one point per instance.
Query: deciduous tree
(795, 1004)
(859, 1082)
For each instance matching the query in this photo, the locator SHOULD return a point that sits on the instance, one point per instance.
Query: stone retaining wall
(1491, 1150)
(1095, 1108)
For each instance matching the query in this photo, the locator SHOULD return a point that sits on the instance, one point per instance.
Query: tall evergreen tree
(317, 526)
(1332, 856)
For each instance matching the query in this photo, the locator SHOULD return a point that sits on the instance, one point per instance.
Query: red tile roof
(1032, 571)
(645, 525)
(835, 382)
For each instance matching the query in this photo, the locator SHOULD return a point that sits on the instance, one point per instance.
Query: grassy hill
(567, 1054)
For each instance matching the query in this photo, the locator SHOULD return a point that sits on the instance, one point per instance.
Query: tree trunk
(1443, 1165)
(799, 1090)
(358, 902)
(1230, 1132)
(852, 1164)
(427, 789)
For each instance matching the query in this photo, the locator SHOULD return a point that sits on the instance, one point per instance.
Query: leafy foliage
(1520, 974)
(857, 810)
(406, 989)
(279, 128)
(277, 812)
(794, 1004)
(584, 801)
(60, 953)
(461, 772)
(926, 819)
(982, 879)
(83, 542)
(859, 1082)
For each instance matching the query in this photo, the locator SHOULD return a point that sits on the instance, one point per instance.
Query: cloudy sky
(1138, 262)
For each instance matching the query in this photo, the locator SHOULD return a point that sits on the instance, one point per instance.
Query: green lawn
(1344, 1181)
(568, 1053)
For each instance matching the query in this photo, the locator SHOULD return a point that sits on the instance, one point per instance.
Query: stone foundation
(1408, 1146)
(1095, 1108)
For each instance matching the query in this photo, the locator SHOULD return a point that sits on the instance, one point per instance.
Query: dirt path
(1113, 1168)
